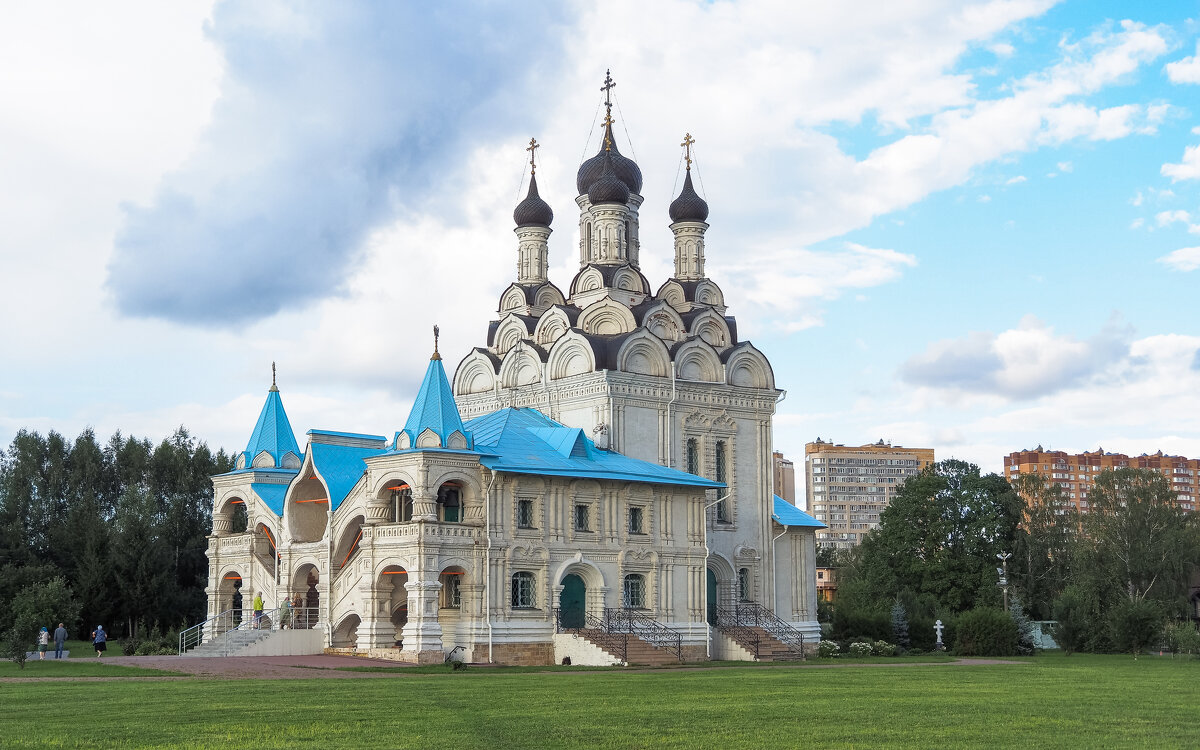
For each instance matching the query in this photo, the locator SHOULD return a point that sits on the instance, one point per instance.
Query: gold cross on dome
(688, 140)
(532, 149)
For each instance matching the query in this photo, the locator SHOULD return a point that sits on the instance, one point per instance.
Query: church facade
(602, 463)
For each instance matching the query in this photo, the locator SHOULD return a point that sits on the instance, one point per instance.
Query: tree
(1136, 624)
(37, 606)
(900, 626)
(1073, 619)
(1144, 544)
(1044, 544)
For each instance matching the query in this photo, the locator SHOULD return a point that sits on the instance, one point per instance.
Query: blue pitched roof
(341, 466)
(525, 441)
(435, 408)
(272, 495)
(273, 432)
(786, 514)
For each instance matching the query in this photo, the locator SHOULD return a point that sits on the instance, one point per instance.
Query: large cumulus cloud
(332, 118)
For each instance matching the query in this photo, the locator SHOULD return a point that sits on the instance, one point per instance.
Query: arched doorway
(572, 602)
(712, 597)
(306, 599)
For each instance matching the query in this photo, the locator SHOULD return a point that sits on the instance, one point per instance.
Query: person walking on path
(258, 608)
(43, 642)
(100, 640)
(60, 639)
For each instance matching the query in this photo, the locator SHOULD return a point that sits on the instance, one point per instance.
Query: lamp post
(1003, 572)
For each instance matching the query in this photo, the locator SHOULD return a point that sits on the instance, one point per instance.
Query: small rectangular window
(582, 520)
(723, 511)
(522, 591)
(636, 525)
(525, 514)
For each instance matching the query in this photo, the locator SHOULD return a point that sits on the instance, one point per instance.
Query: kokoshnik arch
(615, 455)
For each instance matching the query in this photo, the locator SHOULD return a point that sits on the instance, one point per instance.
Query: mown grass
(74, 668)
(1051, 701)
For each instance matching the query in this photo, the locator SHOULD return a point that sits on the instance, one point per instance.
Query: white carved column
(423, 633)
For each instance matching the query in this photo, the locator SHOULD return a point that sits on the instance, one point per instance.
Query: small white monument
(939, 627)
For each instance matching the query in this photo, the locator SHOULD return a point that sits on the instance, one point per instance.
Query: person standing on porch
(60, 639)
(258, 608)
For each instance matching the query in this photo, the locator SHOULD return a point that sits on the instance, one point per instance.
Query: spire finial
(607, 88)
(532, 149)
(273, 386)
(688, 140)
(436, 333)
(608, 121)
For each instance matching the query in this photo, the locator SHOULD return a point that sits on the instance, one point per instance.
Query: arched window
(587, 233)
(449, 503)
(634, 591)
(744, 584)
(722, 475)
(692, 453)
(522, 591)
(240, 520)
(451, 590)
(402, 504)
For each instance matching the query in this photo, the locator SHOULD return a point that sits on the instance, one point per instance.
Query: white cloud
(1028, 361)
(984, 199)
(1066, 166)
(1136, 223)
(1187, 169)
(1166, 218)
(1015, 180)
(1186, 70)
(1183, 259)
(1002, 49)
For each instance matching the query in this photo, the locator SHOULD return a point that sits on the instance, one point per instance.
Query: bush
(849, 624)
(1182, 638)
(1135, 625)
(1025, 645)
(900, 625)
(883, 648)
(1071, 616)
(986, 632)
(828, 649)
(860, 648)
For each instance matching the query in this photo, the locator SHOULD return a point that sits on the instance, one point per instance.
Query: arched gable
(748, 367)
(664, 322)
(606, 317)
(513, 298)
(522, 365)
(571, 355)
(306, 504)
(264, 460)
(629, 280)
(553, 323)
(475, 374)
(672, 293)
(696, 360)
(711, 327)
(590, 572)
(587, 280)
(644, 353)
(547, 295)
(708, 293)
(510, 331)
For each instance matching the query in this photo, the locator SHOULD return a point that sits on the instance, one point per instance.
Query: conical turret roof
(435, 408)
(272, 433)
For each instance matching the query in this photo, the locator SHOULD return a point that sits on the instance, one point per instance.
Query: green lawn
(73, 668)
(1051, 701)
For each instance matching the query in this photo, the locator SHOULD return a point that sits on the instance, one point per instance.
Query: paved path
(323, 666)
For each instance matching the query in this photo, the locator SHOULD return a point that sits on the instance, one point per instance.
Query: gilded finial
(436, 332)
(273, 386)
(688, 140)
(532, 149)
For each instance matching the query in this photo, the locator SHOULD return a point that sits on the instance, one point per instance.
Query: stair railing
(753, 614)
(745, 636)
(615, 643)
(623, 619)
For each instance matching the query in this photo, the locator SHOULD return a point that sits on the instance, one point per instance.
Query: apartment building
(785, 477)
(847, 487)
(1076, 472)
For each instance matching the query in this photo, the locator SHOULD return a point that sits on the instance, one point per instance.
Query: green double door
(572, 602)
(712, 598)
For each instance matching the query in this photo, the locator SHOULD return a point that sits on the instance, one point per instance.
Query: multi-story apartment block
(785, 477)
(1075, 473)
(847, 487)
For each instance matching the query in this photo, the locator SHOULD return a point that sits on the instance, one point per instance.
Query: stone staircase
(637, 651)
(769, 648)
(230, 644)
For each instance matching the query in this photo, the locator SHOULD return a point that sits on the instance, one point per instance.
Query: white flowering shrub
(883, 648)
(860, 649)
(827, 649)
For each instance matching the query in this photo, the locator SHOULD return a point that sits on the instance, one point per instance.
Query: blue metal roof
(273, 432)
(435, 408)
(272, 495)
(525, 441)
(786, 514)
(341, 466)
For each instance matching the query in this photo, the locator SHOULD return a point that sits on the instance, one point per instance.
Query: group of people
(99, 641)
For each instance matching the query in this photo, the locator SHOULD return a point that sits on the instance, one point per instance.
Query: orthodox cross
(273, 386)
(436, 332)
(607, 88)
(688, 140)
(939, 627)
(532, 149)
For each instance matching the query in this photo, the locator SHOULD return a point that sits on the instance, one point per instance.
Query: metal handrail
(745, 636)
(220, 626)
(753, 614)
(616, 643)
(623, 619)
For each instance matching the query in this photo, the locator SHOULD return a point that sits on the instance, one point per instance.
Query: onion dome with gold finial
(626, 169)
(689, 206)
(609, 188)
(533, 211)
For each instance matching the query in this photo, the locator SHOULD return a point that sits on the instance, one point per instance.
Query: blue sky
(972, 226)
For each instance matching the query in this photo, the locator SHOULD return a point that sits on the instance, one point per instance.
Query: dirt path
(322, 666)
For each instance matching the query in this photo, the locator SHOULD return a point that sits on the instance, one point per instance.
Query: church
(594, 483)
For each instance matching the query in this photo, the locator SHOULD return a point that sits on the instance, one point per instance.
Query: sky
(971, 226)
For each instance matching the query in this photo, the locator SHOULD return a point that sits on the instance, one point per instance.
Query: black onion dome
(533, 211)
(626, 169)
(609, 188)
(688, 206)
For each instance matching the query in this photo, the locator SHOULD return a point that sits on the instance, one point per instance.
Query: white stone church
(595, 484)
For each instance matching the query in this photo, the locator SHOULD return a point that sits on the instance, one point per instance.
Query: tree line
(1113, 577)
(109, 534)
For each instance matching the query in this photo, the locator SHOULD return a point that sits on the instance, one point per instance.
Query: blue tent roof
(273, 432)
(786, 514)
(435, 408)
(525, 441)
